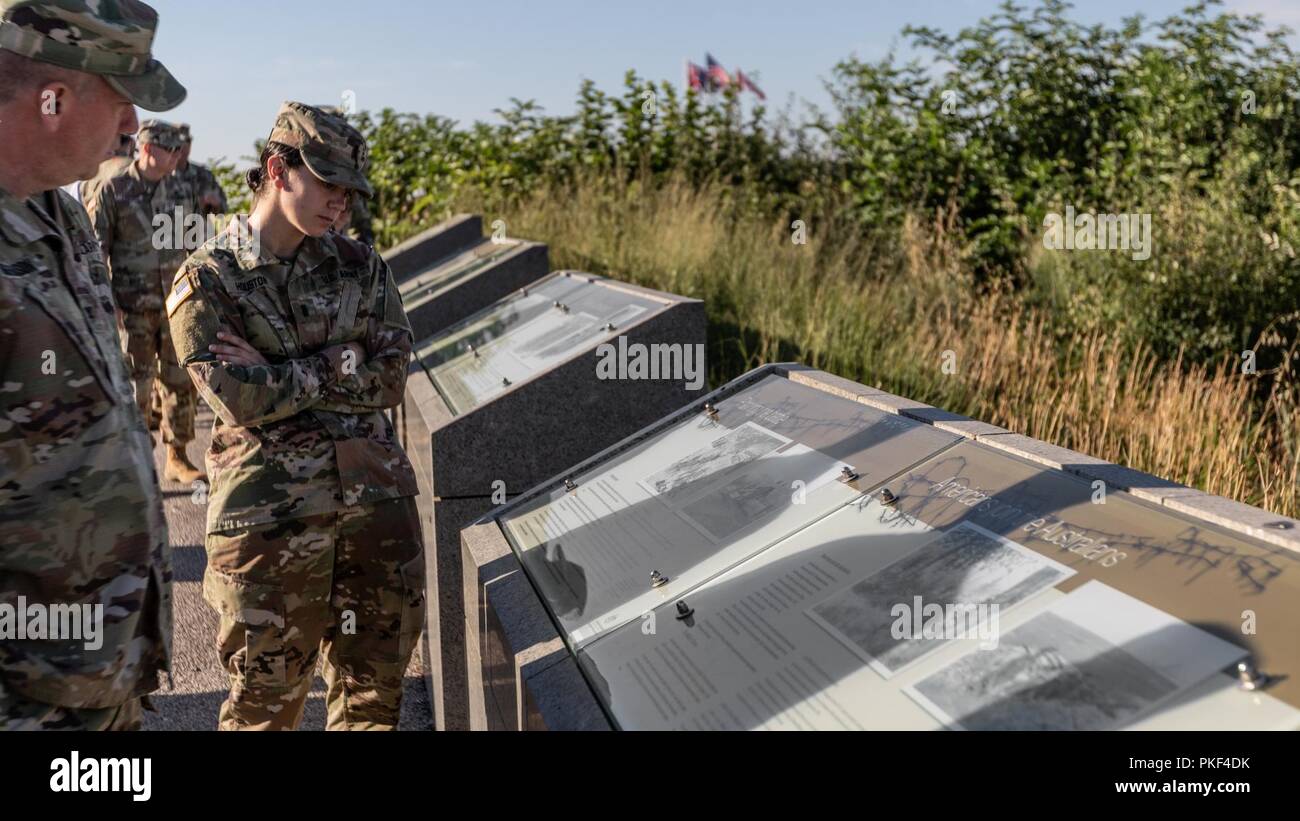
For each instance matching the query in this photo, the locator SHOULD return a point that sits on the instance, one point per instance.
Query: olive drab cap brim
(111, 38)
(157, 132)
(332, 149)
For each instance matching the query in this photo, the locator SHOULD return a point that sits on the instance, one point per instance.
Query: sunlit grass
(883, 309)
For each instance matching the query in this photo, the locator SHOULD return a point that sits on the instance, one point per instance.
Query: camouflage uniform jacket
(202, 186)
(108, 169)
(81, 518)
(305, 434)
(140, 266)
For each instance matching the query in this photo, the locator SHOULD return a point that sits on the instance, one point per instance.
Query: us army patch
(181, 291)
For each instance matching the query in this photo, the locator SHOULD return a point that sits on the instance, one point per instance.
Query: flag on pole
(747, 84)
(717, 74)
(696, 77)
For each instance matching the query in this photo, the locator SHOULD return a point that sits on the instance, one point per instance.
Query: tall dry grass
(889, 309)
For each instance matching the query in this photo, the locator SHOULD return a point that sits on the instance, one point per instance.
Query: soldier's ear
(277, 171)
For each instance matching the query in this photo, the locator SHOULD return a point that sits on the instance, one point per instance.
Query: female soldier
(296, 337)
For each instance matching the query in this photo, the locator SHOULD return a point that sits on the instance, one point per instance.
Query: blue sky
(241, 58)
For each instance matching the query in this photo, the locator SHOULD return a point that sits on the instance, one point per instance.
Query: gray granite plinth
(418, 253)
(537, 428)
(441, 305)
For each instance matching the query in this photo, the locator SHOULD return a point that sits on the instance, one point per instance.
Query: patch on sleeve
(394, 314)
(182, 290)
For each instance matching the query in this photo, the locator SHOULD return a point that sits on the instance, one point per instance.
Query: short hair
(19, 73)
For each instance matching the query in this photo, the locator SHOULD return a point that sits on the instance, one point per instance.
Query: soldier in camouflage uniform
(142, 269)
(81, 519)
(296, 336)
(200, 181)
(355, 223)
(198, 184)
(122, 157)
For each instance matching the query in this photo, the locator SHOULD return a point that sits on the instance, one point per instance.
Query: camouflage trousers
(152, 357)
(345, 588)
(17, 712)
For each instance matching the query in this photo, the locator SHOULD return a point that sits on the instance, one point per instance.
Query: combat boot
(179, 469)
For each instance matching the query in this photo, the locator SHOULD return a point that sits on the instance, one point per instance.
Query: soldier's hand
(236, 351)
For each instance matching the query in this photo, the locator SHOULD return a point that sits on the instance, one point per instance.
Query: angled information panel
(434, 245)
(974, 591)
(525, 334)
(701, 496)
(470, 279)
(455, 269)
(512, 394)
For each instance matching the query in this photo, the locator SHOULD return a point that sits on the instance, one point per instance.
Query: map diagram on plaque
(1095, 660)
(965, 566)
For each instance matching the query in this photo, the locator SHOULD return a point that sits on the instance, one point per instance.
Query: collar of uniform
(19, 224)
(244, 245)
(314, 253)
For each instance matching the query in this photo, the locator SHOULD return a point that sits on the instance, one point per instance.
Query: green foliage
(238, 196)
(422, 164)
(1189, 119)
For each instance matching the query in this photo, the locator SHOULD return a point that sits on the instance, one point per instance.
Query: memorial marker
(507, 398)
(954, 581)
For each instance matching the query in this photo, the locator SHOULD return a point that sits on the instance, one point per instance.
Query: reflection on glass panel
(871, 619)
(983, 592)
(700, 496)
(525, 334)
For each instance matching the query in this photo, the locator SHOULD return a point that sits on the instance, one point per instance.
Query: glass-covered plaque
(457, 269)
(524, 334)
(973, 591)
(700, 496)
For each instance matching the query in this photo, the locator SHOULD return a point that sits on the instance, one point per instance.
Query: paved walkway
(199, 682)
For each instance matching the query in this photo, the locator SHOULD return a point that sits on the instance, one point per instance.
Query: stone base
(520, 674)
(408, 258)
(444, 628)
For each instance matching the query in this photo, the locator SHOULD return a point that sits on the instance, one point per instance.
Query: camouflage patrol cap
(184, 128)
(157, 132)
(333, 150)
(111, 38)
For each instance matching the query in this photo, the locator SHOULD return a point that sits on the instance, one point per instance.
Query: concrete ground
(199, 682)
